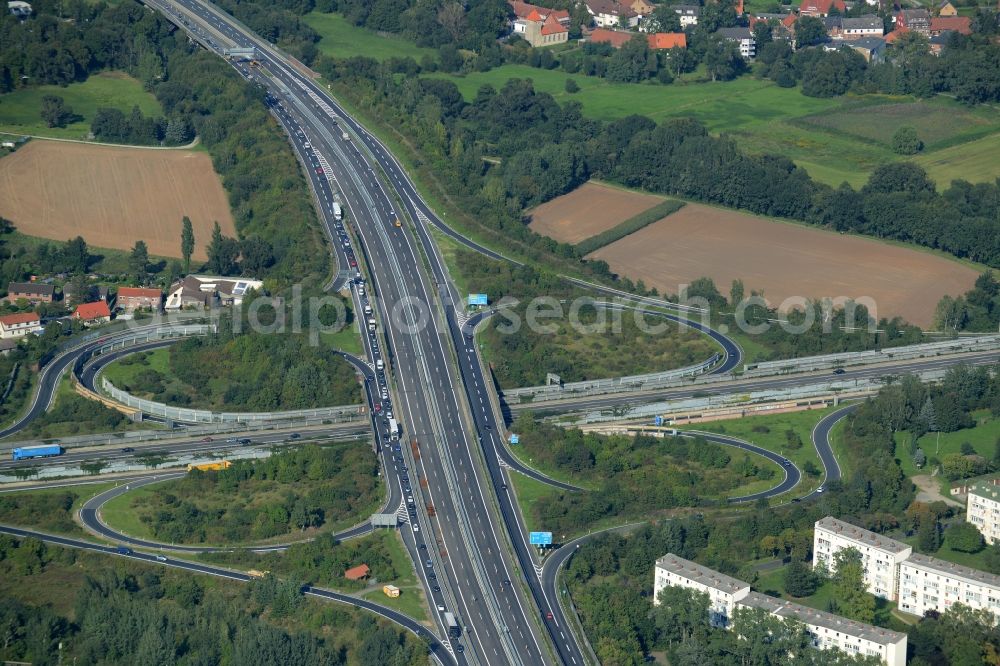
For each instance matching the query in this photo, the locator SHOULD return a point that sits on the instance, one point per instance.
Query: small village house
(20, 324)
(130, 299)
(92, 314)
(33, 292)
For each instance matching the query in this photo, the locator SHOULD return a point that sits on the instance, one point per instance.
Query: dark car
(423, 546)
(839, 371)
(207, 439)
(245, 441)
(294, 435)
(128, 449)
(123, 550)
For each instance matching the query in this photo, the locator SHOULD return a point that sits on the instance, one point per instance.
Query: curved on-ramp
(90, 516)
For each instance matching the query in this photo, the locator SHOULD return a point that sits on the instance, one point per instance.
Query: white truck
(393, 429)
(338, 214)
(379, 365)
(371, 324)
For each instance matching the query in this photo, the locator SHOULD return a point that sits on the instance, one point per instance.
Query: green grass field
(341, 39)
(975, 161)
(19, 110)
(751, 429)
(528, 491)
(411, 600)
(983, 438)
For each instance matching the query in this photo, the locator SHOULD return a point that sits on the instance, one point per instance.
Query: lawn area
(104, 260)
(974, 161)
(347, 339)
(63, 418)
(768, 431)
(983, 438)
(411, 600)
(19, 110)
(119, 373)
(528, 491)
(341, 39)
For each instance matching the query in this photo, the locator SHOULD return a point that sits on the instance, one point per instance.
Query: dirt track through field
(587, 211)
(785, 260)
(113, 196)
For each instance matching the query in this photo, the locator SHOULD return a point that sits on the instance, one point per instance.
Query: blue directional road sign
(540, 538)
(659, 420)
(478, 299)
(514, 439)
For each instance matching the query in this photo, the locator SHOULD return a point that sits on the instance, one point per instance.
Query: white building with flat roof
(880, 555)
(833, 632)
(927, 583)
(828, 631)
(983, 509)
(723, 591)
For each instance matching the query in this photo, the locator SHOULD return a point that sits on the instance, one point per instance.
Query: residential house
(642, 7)
(862, 26)
(616, 38)
(832, 25)
(871, 48)
(523, 9)
(357, 573)
(743, 38)
(782, 25)
(723, 591)
(929, 584)
(659, 41)
(880, 555)
(20, 324)
(983, 509)
(21, 10)
(821, 8)
(539, 31)
(939, 42)
(612, 14)
(959, 24)
(833, 632)
(917, 20)
(688, 13)
(827, 631)
(205, 291)
(32, 292)
(91, 293)
(92, 314)
(131, 299)
(946, 9)
(893, 36)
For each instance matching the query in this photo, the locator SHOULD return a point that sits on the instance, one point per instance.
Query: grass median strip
(629, 226)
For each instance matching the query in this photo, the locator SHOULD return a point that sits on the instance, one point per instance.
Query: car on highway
(245, 441)
(820, 489)
(435, 588)
(128, 449)
(161, 558)
(124, 550)
(429, 564)
(548, 615)
(377, 408)
(839, 371)
(786, 462)
(207, 439)
(459, 648)
(294, 435)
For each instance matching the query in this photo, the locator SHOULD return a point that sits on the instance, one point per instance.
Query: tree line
(65, 42)
(138, 614)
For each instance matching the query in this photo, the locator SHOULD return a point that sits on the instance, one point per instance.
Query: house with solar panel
(203, 292)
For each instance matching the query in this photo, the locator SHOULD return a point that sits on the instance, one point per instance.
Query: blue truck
(44, 451)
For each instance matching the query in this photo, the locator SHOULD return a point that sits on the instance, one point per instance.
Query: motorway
(742, 386)
(462, 549)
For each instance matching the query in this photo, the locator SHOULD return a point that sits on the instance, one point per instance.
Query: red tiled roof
(552, 26)
(788, 21)
(88, 311)
(19, 318)
(138, 292)
(616, 38)
(667, 40)
(533, 15)
(357, 573)
(895, 34)
(820, 6)
(522, 10)
(962, 24)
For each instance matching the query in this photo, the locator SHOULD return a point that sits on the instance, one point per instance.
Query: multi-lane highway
(462, 548)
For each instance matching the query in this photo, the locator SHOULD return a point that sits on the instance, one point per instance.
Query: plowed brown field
(113, 196)
(587, 211)
(785, 260)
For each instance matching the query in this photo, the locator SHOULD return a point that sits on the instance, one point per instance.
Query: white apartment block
(927, 583)
(880, 555)
(832, 632)
(723, 591)
(20, 324)
(983, 510)
(828, 631)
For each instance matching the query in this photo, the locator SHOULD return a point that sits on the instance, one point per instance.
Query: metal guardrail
(845, 388)
(829, 361)
(185, 415)
(649, 381)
